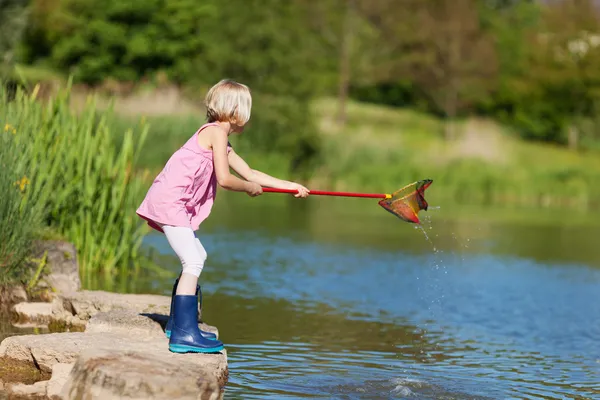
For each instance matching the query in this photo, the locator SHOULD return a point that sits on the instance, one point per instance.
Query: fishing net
(408, 201)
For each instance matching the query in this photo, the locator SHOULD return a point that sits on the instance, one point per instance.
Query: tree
(437, 46)
(13, 18)
(345, 42)
(452, 60)
(344, 59)
(567, 62)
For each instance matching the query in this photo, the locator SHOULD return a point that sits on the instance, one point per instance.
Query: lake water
(337, 299)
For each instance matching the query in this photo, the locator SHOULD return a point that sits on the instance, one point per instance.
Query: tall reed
(83, 183)
(18, 220)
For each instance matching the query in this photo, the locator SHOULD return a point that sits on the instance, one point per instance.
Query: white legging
(188, 248)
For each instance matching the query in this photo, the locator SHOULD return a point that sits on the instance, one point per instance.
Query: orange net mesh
(408, 201)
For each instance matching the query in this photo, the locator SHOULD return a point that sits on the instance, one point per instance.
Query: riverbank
(101, 344)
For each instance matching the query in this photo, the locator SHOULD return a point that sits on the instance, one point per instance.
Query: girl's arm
(224, 178)
(243, 169)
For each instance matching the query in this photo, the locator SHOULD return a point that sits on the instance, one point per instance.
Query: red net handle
(325, 193)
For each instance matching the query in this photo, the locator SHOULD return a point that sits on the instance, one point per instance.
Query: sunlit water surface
(330, 301)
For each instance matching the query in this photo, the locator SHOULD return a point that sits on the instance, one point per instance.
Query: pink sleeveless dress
(183, 193)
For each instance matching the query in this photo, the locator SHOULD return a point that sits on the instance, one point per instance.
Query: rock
(113, 374)
(129, 322)
(15, 371)
(62, 270)
(85, 304)
(40, 313)
(60, 375)
(125, 322)
(120, 352)
(18, 294)
(44, 350)
(47, 350)
(10, 296)
(19, 389)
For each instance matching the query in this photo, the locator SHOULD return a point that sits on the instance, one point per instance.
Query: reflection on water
(8, 329)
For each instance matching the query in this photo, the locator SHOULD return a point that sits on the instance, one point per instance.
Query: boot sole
(168, 335)
(181, 348)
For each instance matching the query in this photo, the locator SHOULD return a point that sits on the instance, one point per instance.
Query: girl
(182, 195)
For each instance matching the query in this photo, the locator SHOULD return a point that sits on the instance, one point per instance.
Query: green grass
(31, 74)
(382, 148)
(19, 219)
(84, 184)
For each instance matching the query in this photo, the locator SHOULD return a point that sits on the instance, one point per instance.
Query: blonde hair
(228, 101)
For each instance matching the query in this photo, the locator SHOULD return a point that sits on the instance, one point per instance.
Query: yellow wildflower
(7, 127)
(14, 132)
(22, 183)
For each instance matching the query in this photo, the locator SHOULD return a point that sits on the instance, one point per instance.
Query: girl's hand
(302, 191)
(253, 189)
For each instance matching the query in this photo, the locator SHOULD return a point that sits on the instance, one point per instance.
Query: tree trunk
(450, 109)
(344, 63)
(573, 137)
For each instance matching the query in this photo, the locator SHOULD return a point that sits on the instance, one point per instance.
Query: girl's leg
(185, 335)
(191, 253)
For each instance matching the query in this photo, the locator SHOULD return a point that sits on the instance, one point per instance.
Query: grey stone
(129, 322)
(113, 374)
(87, 303)
(60, 375)
(18, 294)
(62, 270)
(40, 313)
(19, 389)
(9, 296)
(47, 350)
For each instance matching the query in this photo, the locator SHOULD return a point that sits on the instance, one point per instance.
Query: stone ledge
(110, 345)
(145, 363)
(119, 351)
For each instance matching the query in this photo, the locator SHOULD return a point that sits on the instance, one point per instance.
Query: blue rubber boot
(208, 335)
(185, 334)
(170, 321)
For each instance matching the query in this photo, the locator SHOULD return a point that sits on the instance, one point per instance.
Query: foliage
(83, 183)
(512, 75)
(454, 58)
(96, 40)
(13, 17)
(550, 83)
(19, 220)
(449, 58)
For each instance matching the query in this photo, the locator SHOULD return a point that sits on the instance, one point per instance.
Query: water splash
(433, 282)
(426, 224)
(420, 227)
